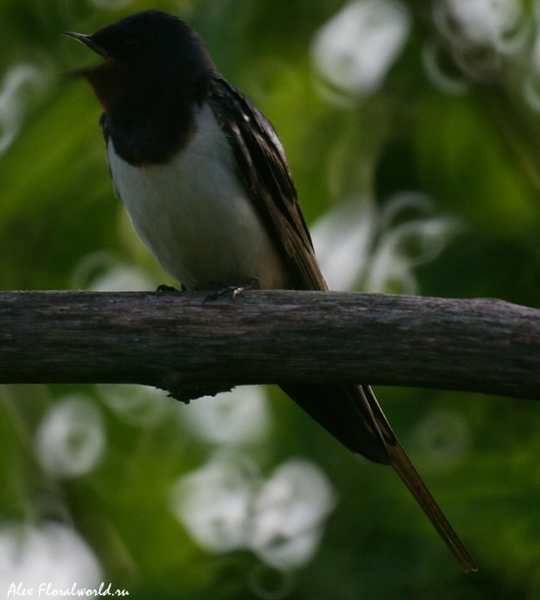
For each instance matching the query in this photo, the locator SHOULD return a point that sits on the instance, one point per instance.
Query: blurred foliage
(454, 116)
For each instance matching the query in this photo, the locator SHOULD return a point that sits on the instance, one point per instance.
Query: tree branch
(189, 345)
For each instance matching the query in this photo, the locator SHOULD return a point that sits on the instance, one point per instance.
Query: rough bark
(191, 345)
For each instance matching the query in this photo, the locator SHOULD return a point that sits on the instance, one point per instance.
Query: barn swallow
(204, 178)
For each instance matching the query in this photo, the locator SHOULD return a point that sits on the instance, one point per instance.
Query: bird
(205, 180)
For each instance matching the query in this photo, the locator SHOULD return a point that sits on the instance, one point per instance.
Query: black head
(146, 47)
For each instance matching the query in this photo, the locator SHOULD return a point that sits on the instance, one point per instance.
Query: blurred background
(412, 129)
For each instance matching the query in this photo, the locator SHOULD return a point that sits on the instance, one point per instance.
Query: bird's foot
(167, 289)
(231, 291)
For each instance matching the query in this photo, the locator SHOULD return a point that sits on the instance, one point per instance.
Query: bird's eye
(131, 42)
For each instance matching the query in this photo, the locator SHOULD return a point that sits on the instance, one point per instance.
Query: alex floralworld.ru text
(48, 590)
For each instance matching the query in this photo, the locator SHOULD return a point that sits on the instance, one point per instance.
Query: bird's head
(140, 50)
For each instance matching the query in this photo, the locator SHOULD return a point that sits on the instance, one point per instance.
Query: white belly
(194, 215)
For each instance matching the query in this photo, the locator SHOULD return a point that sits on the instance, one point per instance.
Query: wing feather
(264, 172)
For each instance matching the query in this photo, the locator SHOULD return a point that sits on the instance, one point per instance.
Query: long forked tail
(353, 415)
(409, 475)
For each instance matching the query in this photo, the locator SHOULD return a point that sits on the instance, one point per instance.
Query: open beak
(88, 42)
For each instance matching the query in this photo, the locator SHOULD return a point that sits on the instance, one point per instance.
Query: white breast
(195, 216)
